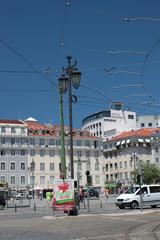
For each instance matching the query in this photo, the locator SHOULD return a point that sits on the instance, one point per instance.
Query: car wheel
(153, 206)
(134, 205)
(1, 206)
(121, 207)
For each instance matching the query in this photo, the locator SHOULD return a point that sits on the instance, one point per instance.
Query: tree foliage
(151, 173)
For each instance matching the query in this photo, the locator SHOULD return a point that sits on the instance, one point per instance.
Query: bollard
(53, 209)
(15, 208)
(100, 203)
(34, 207)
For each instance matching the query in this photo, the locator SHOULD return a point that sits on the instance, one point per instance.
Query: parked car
(23, 196)
(2, 202)
(148, 195)
(92, 192)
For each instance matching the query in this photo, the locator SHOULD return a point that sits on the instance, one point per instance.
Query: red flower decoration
(63, 187)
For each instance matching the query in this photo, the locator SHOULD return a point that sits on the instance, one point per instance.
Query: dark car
(2, 202)
(92, 192)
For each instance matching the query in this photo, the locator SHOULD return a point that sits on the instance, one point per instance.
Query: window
(22, 166)
(157, 160)
(51, 142)
(3, 140)
(154, 189)
(125, 164)
(51, 153)
(97, 179)
(126, 176)
(13, 152)
(87, 154)
(142, 124)
(130, 116)
(51, 167)
(97, 165)
(41, 142)
(79, 166)
(120, 164)
(32, 141)
(42, 166)
(87, 143)
(79, 154)
(13, 166)
(22, 179)
(32, 152)
(95, 144)
(2, 152)
(78, 143)
(13, 141)
(149, 124)
(22, 130)
(115, 165)
(156, 149)
(22, 152)
(3, 167)
(3, 129)
(96, 154)
(52, 179)
(13, 180)
(3, 178)
(42, 179)
(13, 130)
(42, 153)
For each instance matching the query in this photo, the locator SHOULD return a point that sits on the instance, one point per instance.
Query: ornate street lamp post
(72, 78)
(32, 170)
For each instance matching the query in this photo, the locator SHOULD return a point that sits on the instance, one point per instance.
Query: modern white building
(147, 121)
(25, 141)
(107, 124)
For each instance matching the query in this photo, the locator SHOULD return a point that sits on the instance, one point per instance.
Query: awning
(140, 140)
(123, 142)
(118, 143)
(128, 141)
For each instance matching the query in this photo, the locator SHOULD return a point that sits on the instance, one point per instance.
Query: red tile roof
(6, 121)
(142, 132)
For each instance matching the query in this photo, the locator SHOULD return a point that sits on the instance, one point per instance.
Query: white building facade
(148, 121)
(107, 124)
(124, 152)
(33, 141)
(13, 155)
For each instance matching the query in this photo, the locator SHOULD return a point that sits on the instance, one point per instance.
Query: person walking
(106, 194)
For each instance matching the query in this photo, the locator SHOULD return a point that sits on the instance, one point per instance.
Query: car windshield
(132, 190)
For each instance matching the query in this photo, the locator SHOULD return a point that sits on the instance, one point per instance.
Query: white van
(131, 197)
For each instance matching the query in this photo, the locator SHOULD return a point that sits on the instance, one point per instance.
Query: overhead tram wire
(17, 53)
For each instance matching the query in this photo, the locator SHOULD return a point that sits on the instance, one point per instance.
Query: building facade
(13, 154)
(39, 143)
(123, 153)
(107, 124)
(148, 121)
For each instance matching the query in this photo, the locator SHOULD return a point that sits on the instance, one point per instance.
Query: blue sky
(38, 34)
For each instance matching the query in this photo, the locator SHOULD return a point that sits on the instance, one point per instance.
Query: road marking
(98, 237)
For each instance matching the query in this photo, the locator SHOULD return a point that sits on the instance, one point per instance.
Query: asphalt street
(104, 221)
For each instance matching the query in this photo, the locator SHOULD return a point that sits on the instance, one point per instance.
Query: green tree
(151, 173)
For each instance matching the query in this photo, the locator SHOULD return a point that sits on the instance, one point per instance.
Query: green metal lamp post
(62, 89)
(72, 79)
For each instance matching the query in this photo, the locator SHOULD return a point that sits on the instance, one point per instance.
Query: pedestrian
(81, 194)
(106, 194)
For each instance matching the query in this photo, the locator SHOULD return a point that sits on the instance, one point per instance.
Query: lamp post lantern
(72, 78)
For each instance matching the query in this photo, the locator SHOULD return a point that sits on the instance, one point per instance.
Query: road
(102, 222)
